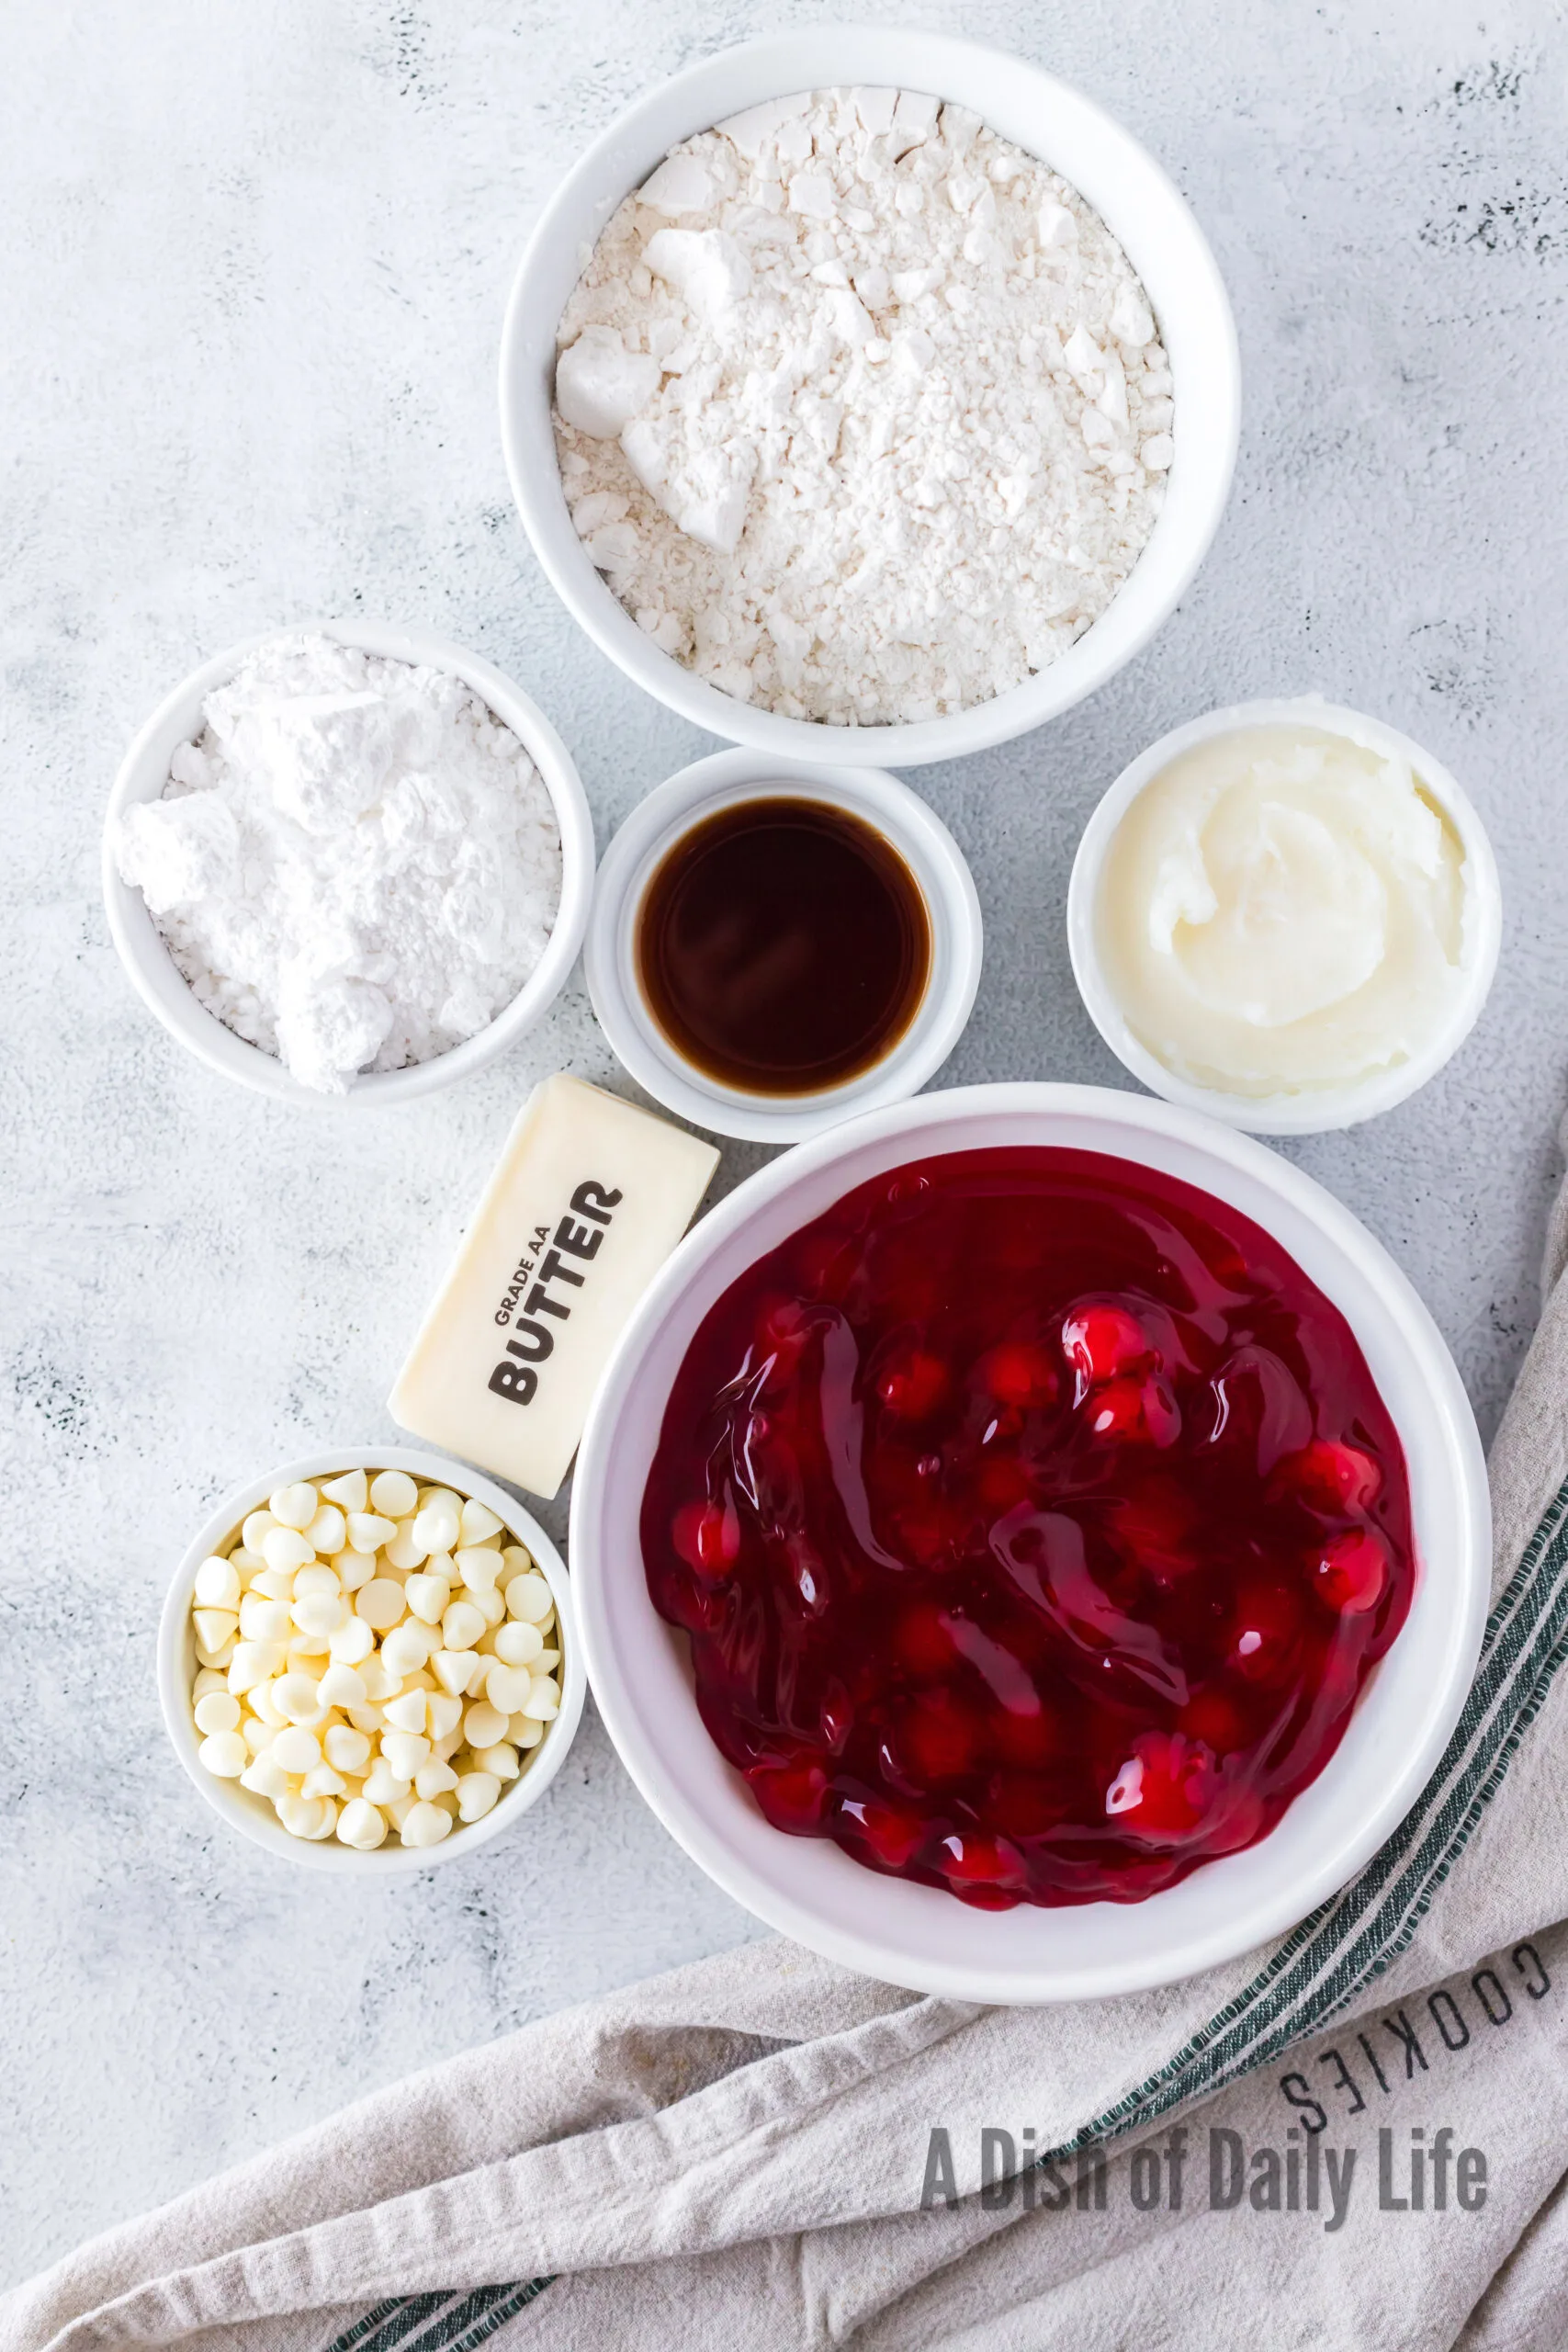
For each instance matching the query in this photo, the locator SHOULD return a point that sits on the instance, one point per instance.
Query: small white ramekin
(163, 988)
(1047, 118)
(251, 1815)
(722, 781)
(1316, 1110)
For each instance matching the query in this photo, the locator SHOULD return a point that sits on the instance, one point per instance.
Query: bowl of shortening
(869, 395)
(1285, 914)
(347, 863)
(368, 1662)
(1031, 1543)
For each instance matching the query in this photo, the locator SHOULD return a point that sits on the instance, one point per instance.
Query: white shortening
(860, 409)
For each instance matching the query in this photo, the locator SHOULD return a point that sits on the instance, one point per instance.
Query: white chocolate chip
(425, 1824)
(484, 1724)
(217, 1711)
(500, 1759)
(479, 1567)
(224, 1753)
(477, 1793)
(328, 1531)
(359, 1825)
(353, 1568)
(350, 1492)
(528, 1597)
(367, 1532)
(509, 1688)
(297, 1749)
(294, 1506)
(215, 1626)
(379, 1602)
(405, 1751)
(461, 1625)
(382, 1785)
(476, 1522)
(286, 1548)
(518, 1642)
(427, 1596)
(342, 1686)
(543, 1703)
(217, 1584)
(434, 1780)
(394, 1493)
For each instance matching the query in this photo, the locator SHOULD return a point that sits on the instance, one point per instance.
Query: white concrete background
(253, 260)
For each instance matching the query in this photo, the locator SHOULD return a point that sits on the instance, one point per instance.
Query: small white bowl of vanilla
(1286, 914)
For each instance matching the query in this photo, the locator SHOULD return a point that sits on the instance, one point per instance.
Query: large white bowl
(1043, 116)
(168, 994)
(250, 1815)
(919, 1936)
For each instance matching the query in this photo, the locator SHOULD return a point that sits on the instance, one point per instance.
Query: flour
(859, 409)
(354, 865)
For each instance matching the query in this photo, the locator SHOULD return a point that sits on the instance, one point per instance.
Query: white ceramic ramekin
(927, 847)
(1314, 1110)
(919, 1936)
(251, 1815)
(1042, 115)
(163, 988)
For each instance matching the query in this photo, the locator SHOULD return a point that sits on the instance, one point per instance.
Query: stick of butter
(590, 1197)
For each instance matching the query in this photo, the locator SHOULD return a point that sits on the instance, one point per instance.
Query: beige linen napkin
(751, 2152)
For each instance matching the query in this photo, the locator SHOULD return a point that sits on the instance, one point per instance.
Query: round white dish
(1315, 1110)
(724, 779)
(919, 1936)
(251, 1815)
(163, 987)
(1044, 116)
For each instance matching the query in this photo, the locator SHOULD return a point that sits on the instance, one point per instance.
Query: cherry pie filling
(1034, 1521)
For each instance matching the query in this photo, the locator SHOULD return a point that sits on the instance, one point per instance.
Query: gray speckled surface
(253, 260)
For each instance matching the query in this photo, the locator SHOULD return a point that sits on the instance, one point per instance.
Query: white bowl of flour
(347, 863)
(774, 577)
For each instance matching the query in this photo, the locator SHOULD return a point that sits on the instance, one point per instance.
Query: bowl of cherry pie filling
(1032, 1544)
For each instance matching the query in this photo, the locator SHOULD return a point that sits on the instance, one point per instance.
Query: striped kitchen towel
(1356, 2137)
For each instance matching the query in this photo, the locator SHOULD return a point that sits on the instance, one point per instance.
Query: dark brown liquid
(784, 945)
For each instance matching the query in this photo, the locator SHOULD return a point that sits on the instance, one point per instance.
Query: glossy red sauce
(1036, 1522)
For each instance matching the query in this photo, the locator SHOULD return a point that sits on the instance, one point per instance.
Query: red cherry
(1351, 1572)
(938, 1735)
(913, 1385)
(794, 1797)
(1159, 1790)
(969, 1858)
(1102, 1341)
(891, 1834)
(707, 1536)
(1213, 1718)
(1028, 1739)
(1001, 1483)
(922, 1640)
(1331, 1476)
(1024, 1804)
(1016, 1373)
(1143, 1410)
(1264, 1630)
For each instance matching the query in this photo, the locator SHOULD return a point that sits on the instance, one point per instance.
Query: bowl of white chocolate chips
(368, 1662)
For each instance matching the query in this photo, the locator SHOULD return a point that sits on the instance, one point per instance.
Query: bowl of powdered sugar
(347, 863)
(869, 384)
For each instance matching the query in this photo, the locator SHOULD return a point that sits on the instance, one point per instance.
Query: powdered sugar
(355, 865)
(860, 408)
